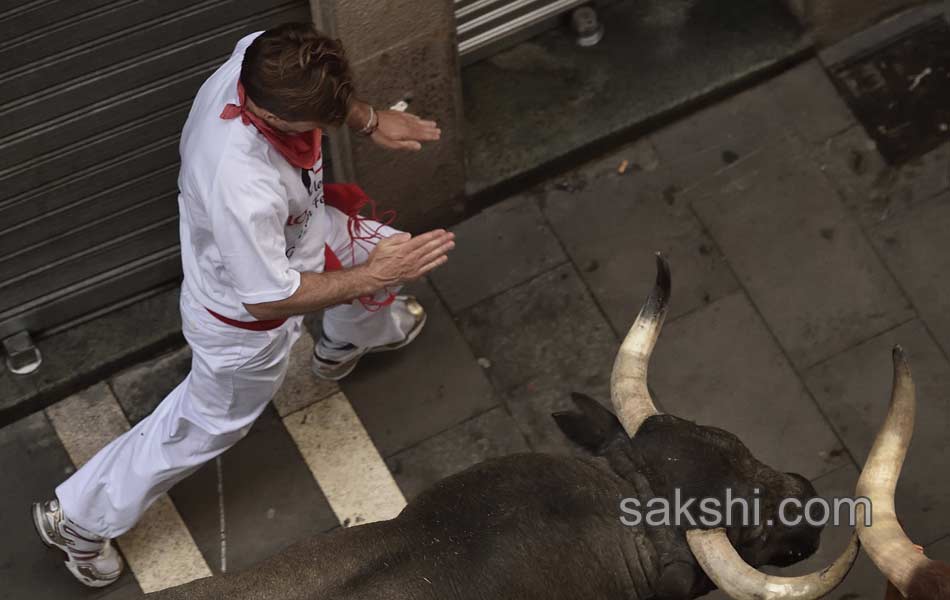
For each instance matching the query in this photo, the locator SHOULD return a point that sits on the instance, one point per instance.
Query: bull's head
(914, 575)
(662, 453)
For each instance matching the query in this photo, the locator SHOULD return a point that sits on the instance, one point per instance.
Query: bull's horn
(885, 540)
(628, 383)
(740, 581)
(633, 405)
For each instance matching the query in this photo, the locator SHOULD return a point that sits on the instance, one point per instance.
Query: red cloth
(330, 260)
(249, 325)
(350, 199)
(300, 149)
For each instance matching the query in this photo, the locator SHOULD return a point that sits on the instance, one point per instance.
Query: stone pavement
(799, 259)
(656, 57)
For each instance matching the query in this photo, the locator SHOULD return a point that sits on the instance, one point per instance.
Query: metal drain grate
(900, 91)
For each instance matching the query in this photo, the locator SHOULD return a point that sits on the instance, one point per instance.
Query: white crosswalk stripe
(340, 454)
(335, 445)
(160, 550)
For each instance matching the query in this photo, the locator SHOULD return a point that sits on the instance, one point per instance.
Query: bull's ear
(591, 428)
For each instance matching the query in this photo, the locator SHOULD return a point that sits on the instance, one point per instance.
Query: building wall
(403, 49)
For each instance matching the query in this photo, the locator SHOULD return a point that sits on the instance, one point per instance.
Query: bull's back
(524, 526)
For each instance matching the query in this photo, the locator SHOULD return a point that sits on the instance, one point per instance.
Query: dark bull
(535, 526)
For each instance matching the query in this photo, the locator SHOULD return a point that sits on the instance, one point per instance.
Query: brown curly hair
(299, 74)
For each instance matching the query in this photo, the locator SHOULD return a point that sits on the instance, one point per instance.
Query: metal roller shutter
(93, 95)
(485, 26)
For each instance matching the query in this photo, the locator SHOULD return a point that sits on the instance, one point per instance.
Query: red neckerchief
(300, 149)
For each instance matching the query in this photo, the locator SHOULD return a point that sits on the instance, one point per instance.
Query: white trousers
(234, 375)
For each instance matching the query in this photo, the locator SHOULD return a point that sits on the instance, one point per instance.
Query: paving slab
(801, 100)
(720, 366)
(806, 99)
(301, 388)
(140, 389)
(269, 498)
(853, 389)
(716, 138)
(640, 154)
(804, 261)
(33, 463)
(408, 396)
(130, 591)
(549, 325)
(917, 249)
(637, 160)
(497, 249)
(488, 435)
(939, 550)
(874, 191)
(532, 403)
(613, 223)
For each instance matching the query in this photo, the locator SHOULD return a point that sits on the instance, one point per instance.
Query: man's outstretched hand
(403, 258)
(403, 131)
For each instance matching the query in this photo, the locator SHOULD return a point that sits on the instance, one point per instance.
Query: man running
(263, 243)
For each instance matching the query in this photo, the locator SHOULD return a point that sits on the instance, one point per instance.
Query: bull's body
(521, 527)
(537, 527)
(541, 527)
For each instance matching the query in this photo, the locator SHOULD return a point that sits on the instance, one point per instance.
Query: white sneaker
(335, 360)
(91, 559)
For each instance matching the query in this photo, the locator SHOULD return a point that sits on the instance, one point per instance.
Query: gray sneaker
(92, 560)
(335, 360)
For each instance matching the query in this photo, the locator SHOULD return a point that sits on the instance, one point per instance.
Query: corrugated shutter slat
(93, 95)
(486, 25)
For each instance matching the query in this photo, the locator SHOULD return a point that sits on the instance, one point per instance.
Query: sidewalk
(799, 259)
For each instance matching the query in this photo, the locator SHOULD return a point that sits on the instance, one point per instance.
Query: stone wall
(402, 49)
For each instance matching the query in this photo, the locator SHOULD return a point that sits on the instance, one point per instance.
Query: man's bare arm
(316, 292)
(394, 261)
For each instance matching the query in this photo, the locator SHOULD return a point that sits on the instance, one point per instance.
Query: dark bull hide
(534, 526)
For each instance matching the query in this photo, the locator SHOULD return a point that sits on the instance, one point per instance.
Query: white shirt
(250, 221)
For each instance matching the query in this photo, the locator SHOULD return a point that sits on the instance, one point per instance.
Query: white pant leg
(353, 322)
(235, 373)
